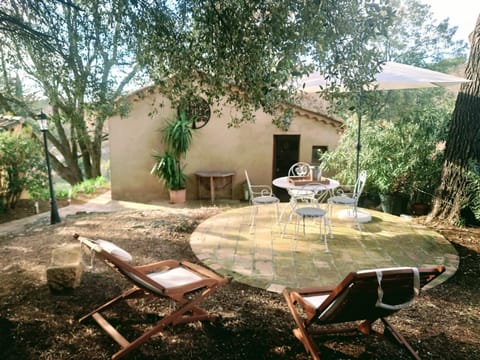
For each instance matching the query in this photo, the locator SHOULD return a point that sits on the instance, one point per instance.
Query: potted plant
(400, 147)
(405, 164)
(177, 137)
(424, 183)
(386, 158)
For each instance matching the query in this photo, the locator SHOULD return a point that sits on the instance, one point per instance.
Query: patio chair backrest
(115, 256)
(366, 295)
(300, 169)
(359, 185)
(249, 184)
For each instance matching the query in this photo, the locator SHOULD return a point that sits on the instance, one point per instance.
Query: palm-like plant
(168, 168)
(177, 136)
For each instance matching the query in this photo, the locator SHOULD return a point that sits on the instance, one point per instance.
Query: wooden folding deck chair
(183, 282)
(362, 296)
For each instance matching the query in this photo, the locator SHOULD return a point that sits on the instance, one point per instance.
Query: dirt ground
(444, 323)
(26, 207)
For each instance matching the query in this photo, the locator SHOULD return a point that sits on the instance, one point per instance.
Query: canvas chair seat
(181, 282)
(364, 296)
(315, 301)
(174, 278)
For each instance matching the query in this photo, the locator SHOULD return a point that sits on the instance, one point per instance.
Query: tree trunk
(70, 172)
(462, 141)
(66, 165)
(90, 143)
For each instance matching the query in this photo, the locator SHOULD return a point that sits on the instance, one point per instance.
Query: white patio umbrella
(393, 76)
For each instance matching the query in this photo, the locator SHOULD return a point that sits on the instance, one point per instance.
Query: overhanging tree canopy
(191, 46)
(87, 61)
(254, 47)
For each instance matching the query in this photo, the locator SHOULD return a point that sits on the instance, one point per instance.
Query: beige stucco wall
(215, 147)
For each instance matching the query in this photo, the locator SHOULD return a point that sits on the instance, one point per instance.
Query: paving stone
(384, 242)
(225, 254)
(264, 268)
(277, 288)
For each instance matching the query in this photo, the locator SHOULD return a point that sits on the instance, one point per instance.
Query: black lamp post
(43, 124)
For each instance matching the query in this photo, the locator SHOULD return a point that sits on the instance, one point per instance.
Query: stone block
(66, 268)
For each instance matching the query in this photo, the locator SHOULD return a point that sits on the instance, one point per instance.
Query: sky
(462, 13)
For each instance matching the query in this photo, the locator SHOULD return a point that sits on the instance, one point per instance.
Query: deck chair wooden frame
(364, 296)
(193, 284)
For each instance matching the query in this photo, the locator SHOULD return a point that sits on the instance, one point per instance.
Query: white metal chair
(260, 195)
(295, 195)
(349, 200)
(307, 207)
(300, 169)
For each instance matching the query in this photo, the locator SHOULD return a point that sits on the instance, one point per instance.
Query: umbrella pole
(359, 144)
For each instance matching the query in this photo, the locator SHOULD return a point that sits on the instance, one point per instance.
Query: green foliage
(401, 129)
(400, 155)
(84, 62)
(22, 167)
(177, 137)
(168, 169)
(88, 186)
(472, 200)
(63, 191)
(416, 37)
(43, 193)
(246, 52)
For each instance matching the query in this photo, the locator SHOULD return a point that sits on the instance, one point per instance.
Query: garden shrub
(22, 167)
(471, 207)
(88, 186)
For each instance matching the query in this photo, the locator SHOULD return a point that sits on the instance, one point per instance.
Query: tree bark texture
(462, 145)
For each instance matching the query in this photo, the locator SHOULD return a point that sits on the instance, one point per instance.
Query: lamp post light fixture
(43, 124)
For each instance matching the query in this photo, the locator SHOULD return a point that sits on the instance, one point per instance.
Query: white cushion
(115, 250)
(315, 301)
(374, 271)
(176, 277)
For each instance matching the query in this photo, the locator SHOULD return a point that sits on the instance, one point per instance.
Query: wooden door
(286, 150)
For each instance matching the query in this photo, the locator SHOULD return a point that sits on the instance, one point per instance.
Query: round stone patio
(264, 259)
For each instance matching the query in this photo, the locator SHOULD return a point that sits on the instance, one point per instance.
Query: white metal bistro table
(320, 190)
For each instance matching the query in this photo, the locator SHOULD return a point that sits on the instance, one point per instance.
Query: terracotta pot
(178, 196)
(419, 209)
